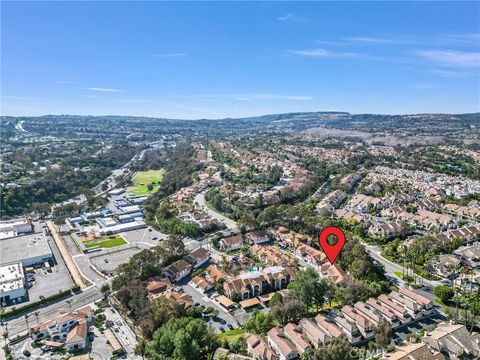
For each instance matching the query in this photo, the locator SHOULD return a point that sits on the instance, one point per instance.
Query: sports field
(106, 242)
(143, 178)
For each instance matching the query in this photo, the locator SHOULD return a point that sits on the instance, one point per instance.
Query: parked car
(222, 329)
(230, 326)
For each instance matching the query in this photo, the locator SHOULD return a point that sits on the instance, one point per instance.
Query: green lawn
(106, 242)
(142, 189)
(146, 177)
(232, 336)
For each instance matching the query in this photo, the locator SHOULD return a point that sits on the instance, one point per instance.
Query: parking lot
(109, 261)
(147, 235)
(46, 283)
(223, 319)
(429, 323)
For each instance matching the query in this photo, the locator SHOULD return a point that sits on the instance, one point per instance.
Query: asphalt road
(200, 199)
(19, 325)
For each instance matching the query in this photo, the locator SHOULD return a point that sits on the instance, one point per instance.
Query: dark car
(230, 326)
(26, 353)
(223, 322)
(221, 329)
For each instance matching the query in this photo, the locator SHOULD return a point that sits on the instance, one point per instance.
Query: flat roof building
(31, 249)
(15, 227)
(12, 282)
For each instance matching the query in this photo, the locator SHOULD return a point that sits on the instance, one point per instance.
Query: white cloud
(169, 55)
(451, 57)
(286, 17)
(371, 40)
(322, 53)
(108, 90)
(257, 96)
(449, 73)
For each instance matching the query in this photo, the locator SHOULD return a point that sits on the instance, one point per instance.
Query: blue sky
(230, 59)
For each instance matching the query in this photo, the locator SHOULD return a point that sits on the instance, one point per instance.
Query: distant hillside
(148, 128)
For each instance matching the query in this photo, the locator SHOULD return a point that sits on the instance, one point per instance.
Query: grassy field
(106, 242)
(232, 336)
(142, 178)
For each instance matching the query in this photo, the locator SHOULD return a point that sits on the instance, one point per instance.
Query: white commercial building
(12, 283)
(12, 228)
(30, 250)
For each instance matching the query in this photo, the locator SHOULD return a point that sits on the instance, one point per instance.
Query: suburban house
(231, 243)
(364, 325)
(425, 303)
(332, 200)
(259, 349)
(454, 340)
(177, 271)
(444, 265)
(389, 230)
(183, 299)
(334, 273)
(272, 255)
(470, 255)
(328, 327)
(257, 237)
(282, 345)
(201, 284)
(214, 273)
(198, 257)
(157, 286)
(314, 334)
(349, 328)
(408, 351)
(256, 283)
(70, 328)
(387, 314)
(367, 312)
(295, 334)
(348, 181)
(398, 310)
(311, 255)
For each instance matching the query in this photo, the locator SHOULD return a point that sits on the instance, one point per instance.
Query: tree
(337, 349)
(291, 309)
(260, 322)
(158, 313)
(26, 320)
(277, 298)
(352, 291)
(383, 332)
(36, 313)
(309, 288)
(106, 291)
(141, 348)
(445, 293)
(184, 338)
(150, 187)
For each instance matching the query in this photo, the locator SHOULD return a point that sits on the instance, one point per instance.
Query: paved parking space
(224, 316)
(402, 332)
(147, 235)
(109, 262)
(100, 349)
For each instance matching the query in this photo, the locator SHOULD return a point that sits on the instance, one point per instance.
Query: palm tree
(26, 320)
(69, 302)
(36, 315)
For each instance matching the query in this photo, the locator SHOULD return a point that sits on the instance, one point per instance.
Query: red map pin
(332, 251)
